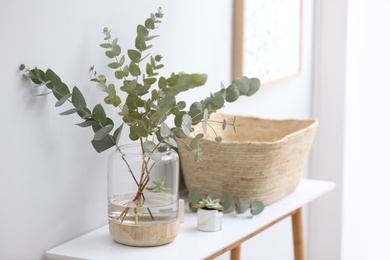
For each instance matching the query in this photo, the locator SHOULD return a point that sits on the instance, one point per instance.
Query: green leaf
(218, 139)
(150, 81)
(170, 141)
(253, 87)
(133, 101)
(117, 133)
(178, 132)
(205, 118)
(122, 60)
(162, 83)
(165, 131)
(186, 124)
(116, 50)
(99, 135)
(243, 205)
(103, 144)
(149, 146)
(119, 74)
(110, 54)
(78, 98)
(232, 93)
(63, 100)
(87, 123)
(218, 100)
(149, 69)
(181, 105)
(142, 31)
(257, 207)
(54, 79)
(227, 202)
(199, 79)
(139, 131)
(99, 115)
(149, 23)
(133, 136)
(134, 55)
(140, 43)
(114, 65)
(199, 136)
(70, 111)
(224, 124)
(60, 91)
(105, 45)
(134, 69)
(242, 84)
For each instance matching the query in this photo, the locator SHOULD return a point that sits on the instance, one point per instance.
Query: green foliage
(209, 204)
(149, 98)
(240, 206)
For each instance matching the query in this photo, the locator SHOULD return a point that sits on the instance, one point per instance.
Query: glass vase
(143, 196)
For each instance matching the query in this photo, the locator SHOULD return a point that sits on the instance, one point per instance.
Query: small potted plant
(209, 214)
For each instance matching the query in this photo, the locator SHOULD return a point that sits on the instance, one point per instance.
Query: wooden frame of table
(98, 245)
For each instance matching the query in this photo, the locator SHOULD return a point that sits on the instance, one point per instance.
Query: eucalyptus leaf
(186, 124)
(117, 133)
(78, 98)
(134, 55)
(106, 45)
(149, 23)
(227, 202)
(165, 131)
(134, 69)
(205, 118)
(257, 207)
(149, 146)
(54, 79)
(170, 141)
(232, 93)
(114, 65)
(99, 114)
(253, 87)
(63, 100)
(242, 84)
(103, 144)
(70, 111)
(116, 50)
(140, 43)
(142, 31)
(87, 123)
(99, 135)
(243, 205)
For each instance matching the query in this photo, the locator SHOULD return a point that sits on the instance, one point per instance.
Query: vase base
(144, 235)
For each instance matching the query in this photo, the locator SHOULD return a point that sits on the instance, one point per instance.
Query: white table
(192, 244)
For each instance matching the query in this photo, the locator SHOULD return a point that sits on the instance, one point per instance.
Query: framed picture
(267, 39)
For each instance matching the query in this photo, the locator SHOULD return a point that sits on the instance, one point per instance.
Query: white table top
(190, 244)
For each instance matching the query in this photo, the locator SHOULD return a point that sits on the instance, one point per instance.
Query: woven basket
(263, 161)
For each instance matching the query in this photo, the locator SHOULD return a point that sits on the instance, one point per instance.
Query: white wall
(351, 96)
(53, 184)
(366, 177)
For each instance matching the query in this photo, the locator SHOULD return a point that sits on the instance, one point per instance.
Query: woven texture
(264, 160)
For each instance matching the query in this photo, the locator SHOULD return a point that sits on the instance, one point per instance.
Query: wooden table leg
(235, 253)
(298, 235)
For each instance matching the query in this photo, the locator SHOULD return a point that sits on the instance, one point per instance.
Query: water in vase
(155, 208)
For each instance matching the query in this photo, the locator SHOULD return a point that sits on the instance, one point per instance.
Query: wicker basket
(263, 161)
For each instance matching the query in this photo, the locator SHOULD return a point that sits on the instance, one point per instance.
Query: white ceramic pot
(209, 220)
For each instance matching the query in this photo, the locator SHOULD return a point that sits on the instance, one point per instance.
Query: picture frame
(268, 39)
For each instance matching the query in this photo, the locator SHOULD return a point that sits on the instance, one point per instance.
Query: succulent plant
(209, 204)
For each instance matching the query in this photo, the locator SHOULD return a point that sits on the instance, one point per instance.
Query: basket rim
(313, 124)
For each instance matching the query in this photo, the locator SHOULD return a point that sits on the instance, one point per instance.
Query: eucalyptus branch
(150, 100)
